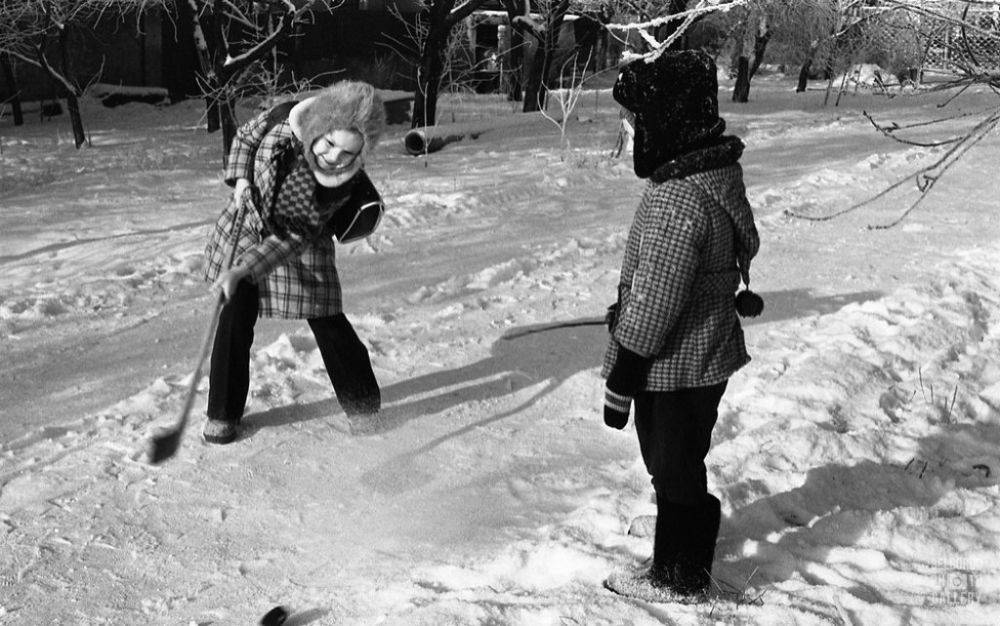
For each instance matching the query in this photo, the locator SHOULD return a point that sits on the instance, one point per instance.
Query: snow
(857, 457)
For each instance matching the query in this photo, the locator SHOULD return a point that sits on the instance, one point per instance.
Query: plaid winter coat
(679, 277)
(286, 242)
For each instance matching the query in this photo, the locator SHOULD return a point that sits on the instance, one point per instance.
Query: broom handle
(206, 342)
(206, 345)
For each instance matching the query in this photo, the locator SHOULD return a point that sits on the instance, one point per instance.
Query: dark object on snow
(517, 334)
(398, 108)
(427, 139)
(51, 109)
(675, 103)
(116, 99)
(274, 617)
(749, 304)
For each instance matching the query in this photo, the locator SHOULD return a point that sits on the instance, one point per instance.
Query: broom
(168, 440)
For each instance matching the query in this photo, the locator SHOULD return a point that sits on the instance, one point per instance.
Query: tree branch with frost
(239, 16)
(645, 29)
(704, 7)
(925, 178)
(567, 98)
(958, 145)
(464, 10)
(236, 63)
(891, 129)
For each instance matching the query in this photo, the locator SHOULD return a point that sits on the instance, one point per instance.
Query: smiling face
(337, 156)
(337, 151)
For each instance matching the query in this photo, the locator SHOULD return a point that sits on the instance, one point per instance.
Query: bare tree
(540, 21)
(969, 70)
(757, 21)
(567, 97)
(38, 33)
(14, 97)
(836, 29)
(231, 37)
(438, 21)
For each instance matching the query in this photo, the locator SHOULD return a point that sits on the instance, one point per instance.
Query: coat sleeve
(244, 149)
(668, 258)
(272, 252)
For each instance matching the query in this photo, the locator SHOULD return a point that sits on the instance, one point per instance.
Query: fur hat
(675, 103)
(344, 105)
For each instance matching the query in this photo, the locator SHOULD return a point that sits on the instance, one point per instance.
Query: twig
(889, 131)
(954, 396)
(924, 178)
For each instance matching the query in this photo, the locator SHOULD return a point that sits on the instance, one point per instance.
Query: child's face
(337, 151)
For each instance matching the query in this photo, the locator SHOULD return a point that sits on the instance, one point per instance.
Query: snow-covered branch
(704, 7)
(264, 46)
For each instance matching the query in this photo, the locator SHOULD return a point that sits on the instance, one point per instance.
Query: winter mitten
(624, 381)
(749, 304)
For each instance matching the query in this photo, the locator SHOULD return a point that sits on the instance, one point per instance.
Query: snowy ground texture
(857, 457)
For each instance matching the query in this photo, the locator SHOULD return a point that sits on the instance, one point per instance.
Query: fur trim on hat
(345, 105)
(676, 107)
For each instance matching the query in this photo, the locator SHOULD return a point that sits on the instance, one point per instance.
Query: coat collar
(720, 153)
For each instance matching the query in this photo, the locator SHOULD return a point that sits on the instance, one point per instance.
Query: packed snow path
(856, 457)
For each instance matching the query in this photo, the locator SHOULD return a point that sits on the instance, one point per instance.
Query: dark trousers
(675, 432)
(345, 357)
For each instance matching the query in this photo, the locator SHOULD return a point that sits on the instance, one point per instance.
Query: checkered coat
(679, 277)
(285, 242)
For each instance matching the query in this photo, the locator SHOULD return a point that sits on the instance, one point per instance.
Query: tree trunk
(227, 121)
(209, 78)
(432, 62)
(533, 82)
(515, 75)
(15, 97)
(739, 39)
(536, 85)
(429, 80)
(73, 91)
(807, 66)
(76, 120)
(804, 76)
(759, 46)
(741, 92)
(745, 68)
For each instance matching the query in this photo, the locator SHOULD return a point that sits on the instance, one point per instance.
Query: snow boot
(692, 572)
(221, 431)
(669, 537)
(655, 584)
(643, 584)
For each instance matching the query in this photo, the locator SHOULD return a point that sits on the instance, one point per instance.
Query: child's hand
(242, 184)
(227, 282)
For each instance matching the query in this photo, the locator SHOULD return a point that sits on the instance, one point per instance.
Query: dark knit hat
(345, 105)
(675, 103)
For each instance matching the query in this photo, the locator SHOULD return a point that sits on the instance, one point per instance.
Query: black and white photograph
(499, 312)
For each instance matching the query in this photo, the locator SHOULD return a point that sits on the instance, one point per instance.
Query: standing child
(676, 338)
(298, 182)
